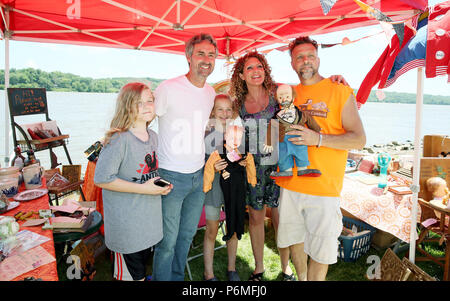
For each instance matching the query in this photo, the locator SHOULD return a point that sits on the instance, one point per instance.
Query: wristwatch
(320, 140)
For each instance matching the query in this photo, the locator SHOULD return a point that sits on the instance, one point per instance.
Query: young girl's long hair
(126, 109)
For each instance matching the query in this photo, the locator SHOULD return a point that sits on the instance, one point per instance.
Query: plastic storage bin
(352, 247)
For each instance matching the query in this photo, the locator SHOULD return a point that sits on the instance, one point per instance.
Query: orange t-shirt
(325, 101)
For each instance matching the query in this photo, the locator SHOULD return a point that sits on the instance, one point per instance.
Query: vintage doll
(439, 190)
(232, 180)
(289, 114)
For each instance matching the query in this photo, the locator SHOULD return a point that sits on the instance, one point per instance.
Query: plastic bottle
(383, 162)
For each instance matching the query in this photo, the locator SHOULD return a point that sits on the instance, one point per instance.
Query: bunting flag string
(425, 46)
(396, 59)
(399, 28)
(345, 41)
(327, 5)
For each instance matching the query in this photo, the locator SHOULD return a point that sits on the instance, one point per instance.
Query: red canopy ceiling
(165, 25)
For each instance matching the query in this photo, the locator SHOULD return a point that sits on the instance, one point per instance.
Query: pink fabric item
(429, 222)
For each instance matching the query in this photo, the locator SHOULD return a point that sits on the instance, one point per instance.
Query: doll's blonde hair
(126, 110)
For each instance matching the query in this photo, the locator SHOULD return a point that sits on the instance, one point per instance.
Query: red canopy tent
(165, 25)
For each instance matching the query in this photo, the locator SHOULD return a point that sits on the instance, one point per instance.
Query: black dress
(234, 190)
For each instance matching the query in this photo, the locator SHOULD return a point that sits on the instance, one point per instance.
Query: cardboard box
(72, 172)
(96, 243)
(434, 145)
(382, 239)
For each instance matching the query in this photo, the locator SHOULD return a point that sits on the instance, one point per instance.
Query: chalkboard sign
(27, 101)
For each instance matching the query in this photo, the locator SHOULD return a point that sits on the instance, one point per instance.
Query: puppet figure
(240, 164)
(289, 114)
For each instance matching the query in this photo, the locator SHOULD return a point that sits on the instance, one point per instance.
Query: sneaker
(233, 276)
(211, 279)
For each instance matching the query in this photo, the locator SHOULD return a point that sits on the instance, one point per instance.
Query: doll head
(285, 95)
(233, 136)
(437, 186)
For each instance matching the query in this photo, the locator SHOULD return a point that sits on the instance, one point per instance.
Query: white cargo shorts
(313, 220)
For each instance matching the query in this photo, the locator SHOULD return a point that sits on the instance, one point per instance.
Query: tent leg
(6, 100)
(416, 170)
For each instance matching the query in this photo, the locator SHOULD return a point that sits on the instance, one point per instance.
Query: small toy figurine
(286, 116)
(439, 190)
(232, 180)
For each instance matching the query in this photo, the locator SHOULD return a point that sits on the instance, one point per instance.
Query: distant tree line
(59, 81)
(398, 97)
(66, 82)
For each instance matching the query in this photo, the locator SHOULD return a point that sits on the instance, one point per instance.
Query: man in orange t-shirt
(310, 217)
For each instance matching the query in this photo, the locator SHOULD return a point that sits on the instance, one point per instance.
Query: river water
(86, 116)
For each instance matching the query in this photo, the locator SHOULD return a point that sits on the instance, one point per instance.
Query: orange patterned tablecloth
(91, 192)
(388, 212)
(47, 272)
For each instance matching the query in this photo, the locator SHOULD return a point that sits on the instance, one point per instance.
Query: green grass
(341, 271)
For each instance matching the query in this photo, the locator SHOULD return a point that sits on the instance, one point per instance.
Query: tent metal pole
(6, 91)
(416, 170)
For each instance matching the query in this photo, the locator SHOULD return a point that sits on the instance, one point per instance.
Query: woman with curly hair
(253, 88)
